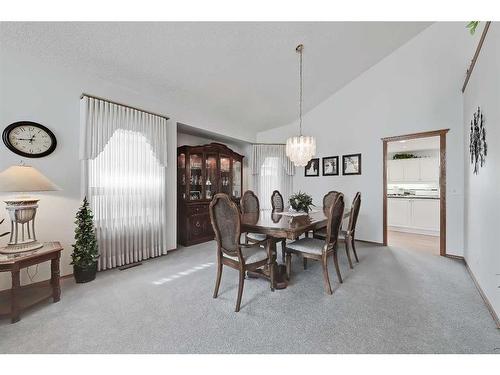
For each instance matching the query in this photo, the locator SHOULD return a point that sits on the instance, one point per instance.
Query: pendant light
(300, 149)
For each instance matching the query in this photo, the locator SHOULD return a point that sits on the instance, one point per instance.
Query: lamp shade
(24, 178)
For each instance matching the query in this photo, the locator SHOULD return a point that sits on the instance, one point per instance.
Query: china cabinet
(202, 172)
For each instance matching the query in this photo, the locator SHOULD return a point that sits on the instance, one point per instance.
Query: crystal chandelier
(300, 149)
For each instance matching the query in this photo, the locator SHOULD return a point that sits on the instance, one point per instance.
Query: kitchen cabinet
(429, 169)
(413, 215)
(398, 212)
(413, 170)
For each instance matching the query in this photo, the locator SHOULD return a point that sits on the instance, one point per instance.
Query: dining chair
(314, 248)
(347, 236)
(320, 233)
(226, 222)
(278, 205)
(250, 204)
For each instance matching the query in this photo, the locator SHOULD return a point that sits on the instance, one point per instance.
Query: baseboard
(424, 232)
(457, 257)
(370, 242)
(483, 296)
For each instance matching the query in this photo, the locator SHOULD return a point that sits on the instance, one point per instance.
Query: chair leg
(305, 263)
(288, 265)
(353, 248)
(348, 253)
(240, 290)
(217, 281)
(328, 287)
(336, 263)
(283, 251)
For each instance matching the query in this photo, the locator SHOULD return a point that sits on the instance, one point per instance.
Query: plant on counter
(301, 202)
(472, 26)
(85, 251)
(6, 233)
(404, 156)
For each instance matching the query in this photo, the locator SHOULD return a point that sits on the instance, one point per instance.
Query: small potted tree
(85, 252)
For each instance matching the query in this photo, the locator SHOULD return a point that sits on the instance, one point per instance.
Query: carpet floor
(394, 301)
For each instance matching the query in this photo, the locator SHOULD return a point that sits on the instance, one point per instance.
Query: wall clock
(29, 139)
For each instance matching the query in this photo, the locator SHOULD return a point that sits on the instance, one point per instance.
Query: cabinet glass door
(236, 178)
(225, 175)
(181, 174)
(210, 175)
(195, 178)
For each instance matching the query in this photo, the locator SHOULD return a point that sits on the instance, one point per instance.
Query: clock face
(29, 139)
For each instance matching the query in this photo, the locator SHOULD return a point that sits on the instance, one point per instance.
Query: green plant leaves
(472, 25)
(301, 201)
(85, 250)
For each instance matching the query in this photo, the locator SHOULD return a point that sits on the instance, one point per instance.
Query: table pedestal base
(280, 281)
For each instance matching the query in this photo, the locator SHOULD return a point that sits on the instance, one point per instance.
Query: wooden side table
(23, 297)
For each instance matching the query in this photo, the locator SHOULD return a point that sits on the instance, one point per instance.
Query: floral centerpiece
(301, 202)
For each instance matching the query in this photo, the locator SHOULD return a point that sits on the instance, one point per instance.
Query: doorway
(414, 191)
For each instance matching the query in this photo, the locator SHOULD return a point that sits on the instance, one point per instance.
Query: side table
(29, 295)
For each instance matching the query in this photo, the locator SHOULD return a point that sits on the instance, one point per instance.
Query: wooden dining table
(278, 226)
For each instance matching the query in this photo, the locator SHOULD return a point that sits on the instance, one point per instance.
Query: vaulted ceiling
(246, 73)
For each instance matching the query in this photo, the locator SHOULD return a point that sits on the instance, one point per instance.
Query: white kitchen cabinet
(395, 170)
(398, 210)
(425, 214)
(413, 170)
(413, 215)
(429, 169)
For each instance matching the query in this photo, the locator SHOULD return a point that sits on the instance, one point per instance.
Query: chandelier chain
(300, 91)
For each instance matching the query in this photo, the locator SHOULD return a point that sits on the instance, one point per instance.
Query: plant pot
(84, 275)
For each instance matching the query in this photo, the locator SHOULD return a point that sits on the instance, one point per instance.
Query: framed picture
(312, 168)
(331, 166)
(351, 164)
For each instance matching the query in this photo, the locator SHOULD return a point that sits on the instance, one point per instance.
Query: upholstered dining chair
(278, 205)
(314, 248)
(347, 236)
(250, 204)
(226, 222)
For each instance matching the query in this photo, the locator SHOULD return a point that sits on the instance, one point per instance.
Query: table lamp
(22, 209)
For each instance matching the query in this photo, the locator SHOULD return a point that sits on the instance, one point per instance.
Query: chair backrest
(277, 202)
(353, 218)
(335, 216)
(249, 203)
(226, 222)
(328, 200)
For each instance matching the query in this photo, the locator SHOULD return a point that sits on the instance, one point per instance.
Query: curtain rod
(123, 105)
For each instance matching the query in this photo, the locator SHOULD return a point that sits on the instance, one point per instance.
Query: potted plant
(85, 252)
(301, 202)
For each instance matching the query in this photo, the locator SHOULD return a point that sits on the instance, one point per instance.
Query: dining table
(278, 226)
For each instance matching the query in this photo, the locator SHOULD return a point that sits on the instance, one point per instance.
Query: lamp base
(21, 247)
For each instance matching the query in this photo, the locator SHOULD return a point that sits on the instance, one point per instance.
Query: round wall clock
(29, 139)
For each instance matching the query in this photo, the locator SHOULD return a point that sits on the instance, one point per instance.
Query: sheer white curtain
(125, 155)
(272, 170)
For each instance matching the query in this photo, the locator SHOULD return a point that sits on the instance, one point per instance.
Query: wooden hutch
(202, 172)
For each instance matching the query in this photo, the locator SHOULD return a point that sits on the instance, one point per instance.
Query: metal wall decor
(478, 148)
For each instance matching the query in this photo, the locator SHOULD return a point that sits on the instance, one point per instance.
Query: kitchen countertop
(413, 196)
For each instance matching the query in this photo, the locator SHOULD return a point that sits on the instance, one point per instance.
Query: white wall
(482, 191)
(415, 89)
(33, 90)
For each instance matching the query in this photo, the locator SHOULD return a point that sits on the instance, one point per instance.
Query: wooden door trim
(442, 181)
